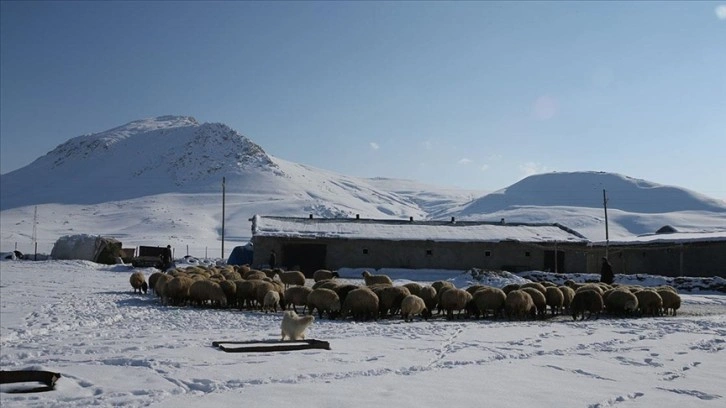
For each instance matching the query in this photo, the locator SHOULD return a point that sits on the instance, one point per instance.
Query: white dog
(294, 326)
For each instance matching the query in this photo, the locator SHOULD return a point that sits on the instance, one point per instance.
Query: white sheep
(289, 278)
(411, 306)
(293, 326)
(271, 300)
(138, 282)
(376, 279)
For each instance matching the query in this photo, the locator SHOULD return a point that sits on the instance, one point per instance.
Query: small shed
(308, 244)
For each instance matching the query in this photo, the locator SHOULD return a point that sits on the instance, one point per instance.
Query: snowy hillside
(159, 180)
(575, 199)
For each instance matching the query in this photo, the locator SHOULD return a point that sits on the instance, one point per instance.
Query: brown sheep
(203, 291)
(138, 282)
(428, 294)
(389, 298)
(620, 302)
(540, 287)
(454, 300)
(518, 304)
(510, 287)
(671, 300)
(176, 291)
(567, 294)
(539, 299)
(413, 287)
(343, 290)
(324, 300)
(649, 302)
(360, 303)
(297, 296)
(153, 278)
(247, 292)
(438, 285)
(586, 301)
(160, 284)
(324, 274)
(489, 299)
(555, 299)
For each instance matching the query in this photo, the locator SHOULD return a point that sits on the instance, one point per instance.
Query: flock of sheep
(245, 288)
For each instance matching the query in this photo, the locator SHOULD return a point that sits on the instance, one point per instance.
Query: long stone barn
(309, 244)
(667, 252)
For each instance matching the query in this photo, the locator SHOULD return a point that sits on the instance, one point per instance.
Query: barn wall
(511, 256)
(703, 259)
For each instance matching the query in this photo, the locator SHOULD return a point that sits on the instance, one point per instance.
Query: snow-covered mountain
(157, 180)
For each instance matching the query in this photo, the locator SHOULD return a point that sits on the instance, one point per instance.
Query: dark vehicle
(149, 256)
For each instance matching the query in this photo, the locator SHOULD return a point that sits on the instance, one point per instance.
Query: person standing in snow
(606, 272)
(166, 257)
(273, 259)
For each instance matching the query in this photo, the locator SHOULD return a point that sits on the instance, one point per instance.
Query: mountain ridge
(167, 172)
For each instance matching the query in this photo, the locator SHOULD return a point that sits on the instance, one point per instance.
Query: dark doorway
(307, 257)
(549, 262)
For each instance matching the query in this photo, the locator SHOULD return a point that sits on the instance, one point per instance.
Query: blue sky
(469, 94)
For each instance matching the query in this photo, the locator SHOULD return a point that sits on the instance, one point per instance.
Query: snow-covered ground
(116, 348)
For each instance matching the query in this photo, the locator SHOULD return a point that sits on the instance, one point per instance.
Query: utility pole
(607, 236)
(35, 232)
(223, 205)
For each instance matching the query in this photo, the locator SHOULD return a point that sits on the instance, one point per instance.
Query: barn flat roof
(405, 230)
(670, 238)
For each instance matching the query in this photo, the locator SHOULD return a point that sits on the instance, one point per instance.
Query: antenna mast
(607, 236)
(223, 205)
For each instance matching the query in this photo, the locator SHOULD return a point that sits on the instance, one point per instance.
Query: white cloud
(721, 12)
(374, 145)
(531, 168)
(427, 145)
(464, 161)
(484, 167)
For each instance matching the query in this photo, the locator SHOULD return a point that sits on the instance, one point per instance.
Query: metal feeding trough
(26, 376)
(265, 346)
